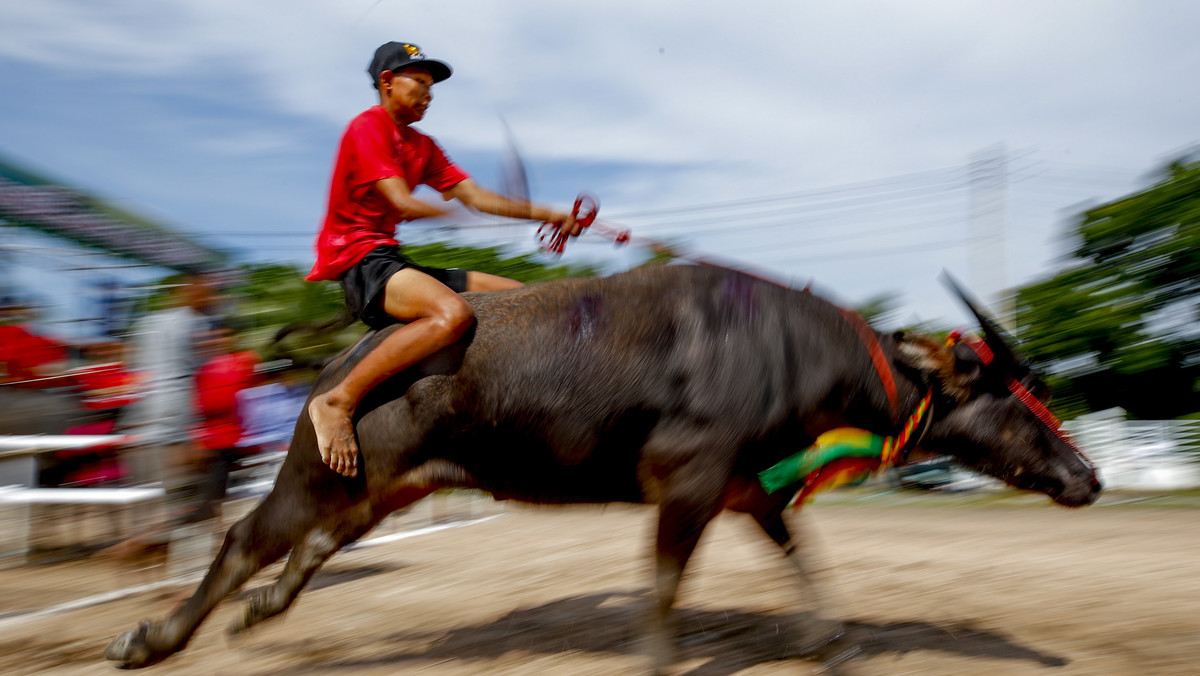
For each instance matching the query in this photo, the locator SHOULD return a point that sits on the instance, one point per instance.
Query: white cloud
(703, 101)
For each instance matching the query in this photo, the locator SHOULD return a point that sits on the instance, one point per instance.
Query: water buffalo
(673, 385)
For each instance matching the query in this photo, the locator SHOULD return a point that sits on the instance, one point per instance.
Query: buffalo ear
(968, 371)
(921, 352)
(938, 360)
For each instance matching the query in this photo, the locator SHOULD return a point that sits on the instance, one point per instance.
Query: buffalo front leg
(306, 558)
(679, 530)
(312, 552)
(252, 543)
(818, 630)
(686, 508)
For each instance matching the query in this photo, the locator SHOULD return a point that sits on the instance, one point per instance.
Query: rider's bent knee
(454, 317)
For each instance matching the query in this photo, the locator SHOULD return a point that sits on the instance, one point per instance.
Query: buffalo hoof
(131, 650)
(256, 610)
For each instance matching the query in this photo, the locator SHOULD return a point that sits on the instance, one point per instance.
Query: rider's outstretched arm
(472, 195)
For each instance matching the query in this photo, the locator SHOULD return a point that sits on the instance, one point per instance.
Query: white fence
(1140, 454)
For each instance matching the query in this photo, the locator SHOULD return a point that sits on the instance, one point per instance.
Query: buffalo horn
(996, 337)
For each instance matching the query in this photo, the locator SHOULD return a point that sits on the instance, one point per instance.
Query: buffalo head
(992, 415)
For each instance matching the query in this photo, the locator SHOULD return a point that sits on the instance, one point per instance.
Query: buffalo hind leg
(254, 542)
(819, 630)
(312, 552)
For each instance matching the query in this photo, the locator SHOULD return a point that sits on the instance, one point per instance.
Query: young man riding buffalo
(381, 160)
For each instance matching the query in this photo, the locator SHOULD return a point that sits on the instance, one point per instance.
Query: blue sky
(821, 141)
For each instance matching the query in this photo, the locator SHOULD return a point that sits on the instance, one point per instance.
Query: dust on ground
(925, 586)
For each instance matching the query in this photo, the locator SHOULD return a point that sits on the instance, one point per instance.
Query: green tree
(1122, 316)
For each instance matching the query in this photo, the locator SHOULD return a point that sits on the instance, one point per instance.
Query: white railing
(1140, 454)
(31, 444)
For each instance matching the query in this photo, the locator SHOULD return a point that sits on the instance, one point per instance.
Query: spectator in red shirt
(105, 387)
(380, 162)
(218, 382)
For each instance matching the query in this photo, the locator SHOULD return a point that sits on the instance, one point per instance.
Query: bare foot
(335, 436)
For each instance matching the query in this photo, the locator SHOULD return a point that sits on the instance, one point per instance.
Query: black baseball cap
(396, 55)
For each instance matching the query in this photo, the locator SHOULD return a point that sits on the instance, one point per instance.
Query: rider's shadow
(728, 640)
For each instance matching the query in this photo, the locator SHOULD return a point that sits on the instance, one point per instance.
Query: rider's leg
(482, 281)
(435, 317)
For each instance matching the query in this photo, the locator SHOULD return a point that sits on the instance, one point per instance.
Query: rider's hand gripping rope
(551, 236)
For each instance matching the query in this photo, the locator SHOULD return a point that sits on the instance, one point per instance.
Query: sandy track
(934, 589)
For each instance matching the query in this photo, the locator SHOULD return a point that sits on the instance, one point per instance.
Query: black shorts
(365, 282)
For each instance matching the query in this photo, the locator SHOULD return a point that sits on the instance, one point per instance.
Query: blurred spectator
(219, 380)
(164, 358)
(27, 360)
(104, 387)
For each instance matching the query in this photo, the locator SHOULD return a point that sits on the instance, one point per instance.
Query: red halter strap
(867, 335)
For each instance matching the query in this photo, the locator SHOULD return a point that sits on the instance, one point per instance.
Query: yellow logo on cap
(412, 50)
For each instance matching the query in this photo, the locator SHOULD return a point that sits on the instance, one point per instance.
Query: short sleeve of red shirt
(359, 217)
(368, 151)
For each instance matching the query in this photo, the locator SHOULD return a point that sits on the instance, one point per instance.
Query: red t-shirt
(360, 218)
(217, 383)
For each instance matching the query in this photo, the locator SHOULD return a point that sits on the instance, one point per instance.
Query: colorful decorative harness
(847, 455)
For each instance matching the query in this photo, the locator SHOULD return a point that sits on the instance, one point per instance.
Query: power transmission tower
(988, 247)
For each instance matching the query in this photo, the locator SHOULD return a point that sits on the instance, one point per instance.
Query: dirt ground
(926, 586)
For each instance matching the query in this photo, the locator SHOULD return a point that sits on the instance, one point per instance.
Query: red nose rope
(1023, 395)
